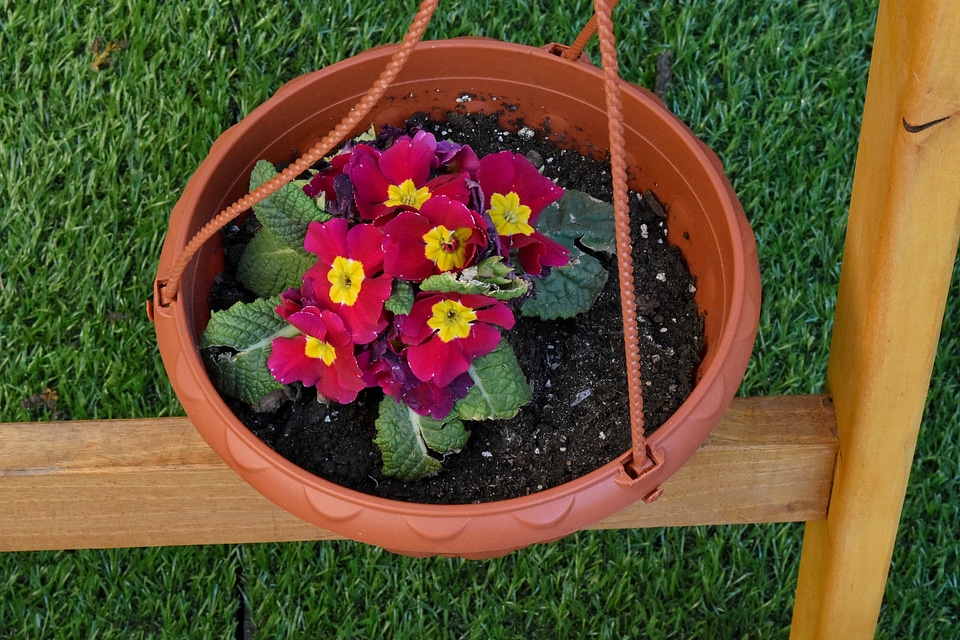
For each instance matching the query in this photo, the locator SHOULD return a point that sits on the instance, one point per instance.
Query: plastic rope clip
(634, 471)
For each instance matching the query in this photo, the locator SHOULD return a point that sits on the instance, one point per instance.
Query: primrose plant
(398, 266)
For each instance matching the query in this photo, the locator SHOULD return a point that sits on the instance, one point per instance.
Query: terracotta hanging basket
(705, 221)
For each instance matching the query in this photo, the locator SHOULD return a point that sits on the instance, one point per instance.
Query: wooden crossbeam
(152, 482)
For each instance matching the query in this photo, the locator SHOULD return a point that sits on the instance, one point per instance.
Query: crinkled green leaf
(401, 298)
(244, 326)
(236, 344)
(404, 436)
(287, 212)
(580, 217)
(576, 220)
(244, 375)
(443, 436)
(490, 277)
(499, 389)
(569, 290)
(269, 266)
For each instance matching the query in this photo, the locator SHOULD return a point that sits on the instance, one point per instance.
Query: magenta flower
(514, 196)
(536, 252)
(456, 158)
(322, 355)
(430, 399)
(348, 277)
(443, 236)
(400, 176)
(446, 332)
(323, 181)
(384, 368)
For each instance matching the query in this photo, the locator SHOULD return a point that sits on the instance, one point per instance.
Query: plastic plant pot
(705, 221)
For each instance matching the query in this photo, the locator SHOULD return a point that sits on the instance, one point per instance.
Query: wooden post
(898, 259)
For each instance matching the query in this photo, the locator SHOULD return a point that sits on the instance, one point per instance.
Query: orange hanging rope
(583, 39)
(169, 286)
(603, 10)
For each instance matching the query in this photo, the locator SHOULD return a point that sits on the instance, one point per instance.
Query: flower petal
(483, 339)
(411, 239)
(327, 240)
(498, 314)
(288, 363)
(438, 361)
(369, 184)
(365, 243)
(404, 247)
(537, 251)
(410, 159)
(452, 186)
(323, 181)
(343, 380)
(330, 283)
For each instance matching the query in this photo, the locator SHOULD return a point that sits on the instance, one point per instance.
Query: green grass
(609, 584)
(91, 163)
(182, 592)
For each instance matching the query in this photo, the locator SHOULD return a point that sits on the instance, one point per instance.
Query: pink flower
(400, 176)
(322, 355)
(514, 196)
(444, 235)
(446, 332)
(348, 277)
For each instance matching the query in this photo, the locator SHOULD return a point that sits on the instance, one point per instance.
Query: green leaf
(576, 220)
(403, 437)
(244, 326)
(269, 266)
(499, 389)
(289, 211)
(489, 277)
(244, 376)
(236, 345)
(580, 217)
(401, 298)
(569, 290)
(443, 436)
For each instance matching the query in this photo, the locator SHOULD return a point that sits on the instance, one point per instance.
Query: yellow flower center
(508, 215)
(319, 349)
(451, 319)
(345, 278)
(447, 248)
(406, 194)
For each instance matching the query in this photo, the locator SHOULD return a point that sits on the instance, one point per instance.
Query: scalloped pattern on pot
(546, 516)
(437, 529)
(331, 510)
(242, 455)
(184, 380)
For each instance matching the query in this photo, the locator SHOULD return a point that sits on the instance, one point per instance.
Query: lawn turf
(92, 160)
